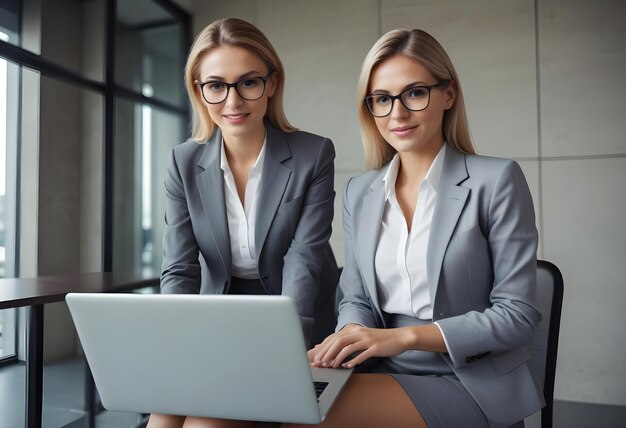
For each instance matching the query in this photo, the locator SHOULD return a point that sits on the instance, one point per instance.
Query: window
(149, 61)
(9, 101)
(91, 102)
(150, 51)
(144, 137)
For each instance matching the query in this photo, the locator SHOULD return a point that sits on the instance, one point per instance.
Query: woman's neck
(414, 165)
(244, 148)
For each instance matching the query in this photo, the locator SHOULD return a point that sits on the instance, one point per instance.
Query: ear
(271, 85)
(450, 95)
(198, 92)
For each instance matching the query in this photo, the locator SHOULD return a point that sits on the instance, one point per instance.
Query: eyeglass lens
(415, 99)
(249, 89)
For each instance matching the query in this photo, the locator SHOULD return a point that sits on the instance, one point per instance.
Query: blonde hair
(422, 47)
(239, 33)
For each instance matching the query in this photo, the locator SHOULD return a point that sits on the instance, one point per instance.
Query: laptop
(222, 356)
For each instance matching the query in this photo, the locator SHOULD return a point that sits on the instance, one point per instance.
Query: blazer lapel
(273, 184)
(450, 203)
(211, 188)
(371, 220)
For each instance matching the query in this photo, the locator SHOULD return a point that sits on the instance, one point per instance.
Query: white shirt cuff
(444, 336)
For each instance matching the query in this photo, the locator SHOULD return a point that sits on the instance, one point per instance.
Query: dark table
(36, 292)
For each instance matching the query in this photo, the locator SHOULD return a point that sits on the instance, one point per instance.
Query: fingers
(317, 353)
(341, 342)
(332, 348)
(339, 346)
(348, 353)
(359, 359)
(353, 346)
(314, 352)
(325, 347)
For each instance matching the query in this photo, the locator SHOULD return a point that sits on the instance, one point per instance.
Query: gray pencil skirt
(435, 391)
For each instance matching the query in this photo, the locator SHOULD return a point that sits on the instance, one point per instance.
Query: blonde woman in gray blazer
(249, 199)
(440, 271)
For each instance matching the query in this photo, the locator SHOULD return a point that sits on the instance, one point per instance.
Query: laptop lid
(234, 357)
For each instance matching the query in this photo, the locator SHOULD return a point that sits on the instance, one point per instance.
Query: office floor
(64, 399)
(64, 386)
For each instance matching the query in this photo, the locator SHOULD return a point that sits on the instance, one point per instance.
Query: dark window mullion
(46, 68)
(130, 95)
(109, 129)
(173, 9)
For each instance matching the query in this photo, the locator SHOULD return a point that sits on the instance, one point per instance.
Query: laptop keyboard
(319, 388)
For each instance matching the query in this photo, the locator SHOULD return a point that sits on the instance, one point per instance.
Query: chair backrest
(543, 349)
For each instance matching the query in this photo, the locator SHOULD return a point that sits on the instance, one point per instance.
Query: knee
(165, 421)
(192, 422)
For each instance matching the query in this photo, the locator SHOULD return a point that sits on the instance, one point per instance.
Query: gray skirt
(431, 384)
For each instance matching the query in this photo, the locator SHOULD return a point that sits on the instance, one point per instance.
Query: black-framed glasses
(249, 88)
(415, 98)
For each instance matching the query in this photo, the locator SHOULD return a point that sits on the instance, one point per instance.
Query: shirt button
(441, 314)
(243, 246)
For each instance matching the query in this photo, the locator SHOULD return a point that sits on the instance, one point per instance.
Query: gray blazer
(293, 226)
(481, 264)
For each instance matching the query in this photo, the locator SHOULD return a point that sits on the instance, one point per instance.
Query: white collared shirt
(242, 219)
(400, 259)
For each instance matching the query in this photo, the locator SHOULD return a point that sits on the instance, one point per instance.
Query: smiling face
(236, 117)
(403, 129)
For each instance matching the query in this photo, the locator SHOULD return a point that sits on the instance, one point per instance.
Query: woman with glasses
(249, 199)
(440, 271)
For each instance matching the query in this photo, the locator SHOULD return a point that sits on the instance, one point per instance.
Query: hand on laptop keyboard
(355, 344)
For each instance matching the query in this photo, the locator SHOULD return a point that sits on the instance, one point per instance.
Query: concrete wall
(543, 84)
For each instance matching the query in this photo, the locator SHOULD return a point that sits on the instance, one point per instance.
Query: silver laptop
(234, 357)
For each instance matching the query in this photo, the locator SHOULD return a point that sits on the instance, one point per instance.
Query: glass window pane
(9, 102)
(8, 329)
(70, 179)
(68, 33)
(144, 136)
(9, 21)
(150, 57)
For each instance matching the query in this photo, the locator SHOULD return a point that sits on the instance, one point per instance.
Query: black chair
(544, 347)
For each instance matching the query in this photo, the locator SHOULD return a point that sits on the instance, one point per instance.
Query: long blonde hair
(239, 33)
(421, 46)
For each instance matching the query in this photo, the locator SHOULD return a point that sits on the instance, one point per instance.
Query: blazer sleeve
(304, 260)
(355, 306)
(509, 321)
(181, 267)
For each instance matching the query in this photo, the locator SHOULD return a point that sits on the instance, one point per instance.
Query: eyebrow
(410, 85)
(243, 76)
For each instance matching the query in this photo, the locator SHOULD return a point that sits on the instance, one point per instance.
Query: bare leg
(165, 421)
(171, 421)
(371, 400)
(192, 422)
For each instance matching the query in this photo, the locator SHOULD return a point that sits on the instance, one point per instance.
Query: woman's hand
(363, 342)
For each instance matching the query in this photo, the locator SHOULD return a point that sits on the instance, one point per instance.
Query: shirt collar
(391, 175)
(257, 168)
(433, 176)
